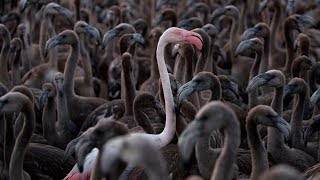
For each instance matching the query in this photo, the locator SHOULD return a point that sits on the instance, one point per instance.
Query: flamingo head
(177, 35)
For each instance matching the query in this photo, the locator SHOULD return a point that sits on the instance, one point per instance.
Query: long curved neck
(243, 17)
(203, 60)
(312, 79)
(142, 119)
(9, 140)
(304, 74)
(233, 37)
(167, 55)
(296, 121)
(216, 91)
(290, 50)
(125, 46)
(15, 69)
(224, 165)
(26, 51)
(259, 158)
(4, 75)
(201, 63)
(22, 141)
(179, 66)
(195, 97)
(273, 29)
(64, 123)
(49, 120)
(170, 125)
(265, 61)
(253, 101)
(129, 90)
(85, 59)
(205, 155)
(212, 60)
(53, 53)
(69, 71)
(275, 137)
(154, 66)
(43, 37)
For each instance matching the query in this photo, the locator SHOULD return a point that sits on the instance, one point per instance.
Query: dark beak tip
(80, 167)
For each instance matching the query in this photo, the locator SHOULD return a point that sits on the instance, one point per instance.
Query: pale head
(177, 35)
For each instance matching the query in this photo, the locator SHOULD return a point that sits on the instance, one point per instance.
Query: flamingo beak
(52, 42)
(283, 126)
(249, 33)
(258, 81)
(195, 39)
(94, 33)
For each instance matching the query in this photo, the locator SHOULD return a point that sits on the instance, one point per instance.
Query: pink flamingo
(171, 35)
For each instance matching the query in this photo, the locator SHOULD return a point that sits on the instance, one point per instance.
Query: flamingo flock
(159, 89)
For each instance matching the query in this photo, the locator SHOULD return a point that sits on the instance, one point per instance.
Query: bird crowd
(160, 89)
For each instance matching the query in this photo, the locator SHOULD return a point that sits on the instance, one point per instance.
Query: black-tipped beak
(139, 39)
(242, 47)
(186, 91)
(51, 43)
(249, 33)
(234, 88)
(258, 81)
(282, 125)
(289, 89)
(108, 36)
(94, 33)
